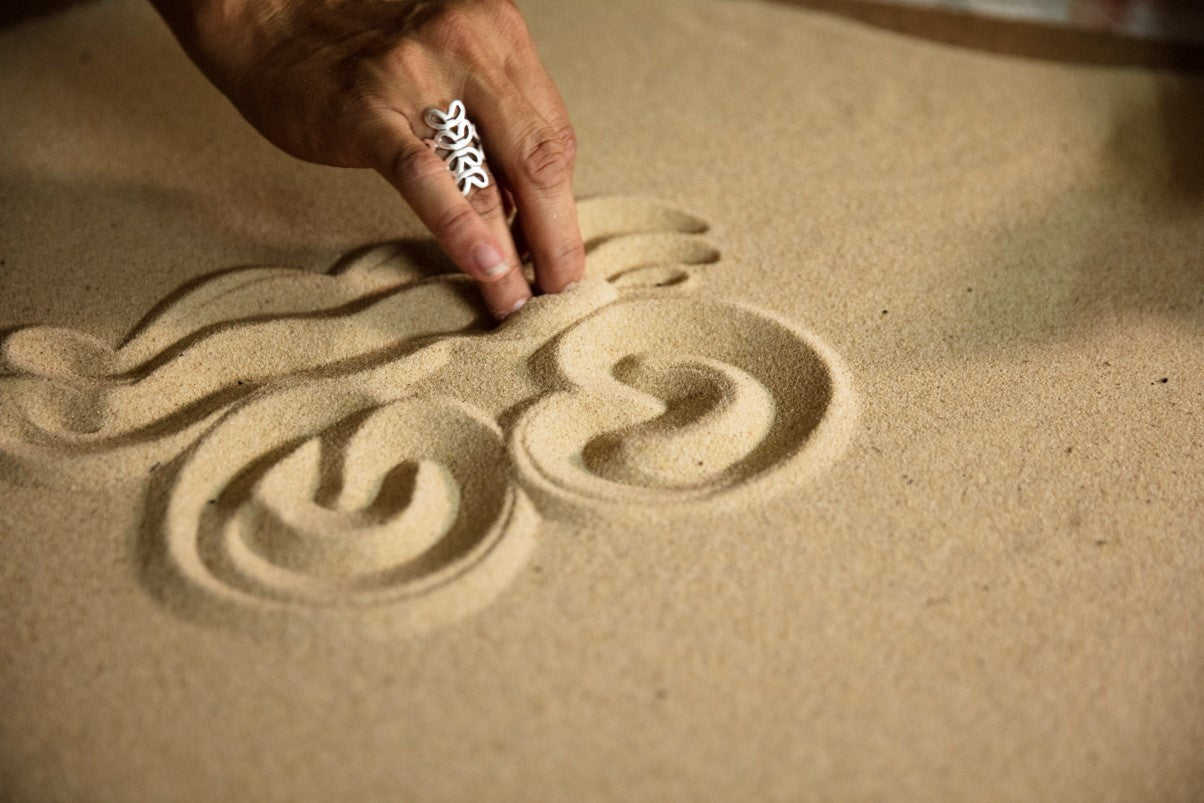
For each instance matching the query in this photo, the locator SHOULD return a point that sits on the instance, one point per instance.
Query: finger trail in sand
(361, 444)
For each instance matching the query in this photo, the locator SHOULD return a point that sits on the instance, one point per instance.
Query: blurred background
(1160, 34)
(1150, 19)
(1148, 33)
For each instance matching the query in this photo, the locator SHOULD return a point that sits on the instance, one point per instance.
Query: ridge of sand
(994, 592)
(364, 440)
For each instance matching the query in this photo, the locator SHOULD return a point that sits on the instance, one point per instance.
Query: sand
(867, 463)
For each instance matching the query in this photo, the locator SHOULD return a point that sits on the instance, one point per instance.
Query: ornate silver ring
(457, 144)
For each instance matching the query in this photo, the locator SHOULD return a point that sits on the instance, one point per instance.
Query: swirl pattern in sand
(356, 500)
(669, 404)
(362, 444)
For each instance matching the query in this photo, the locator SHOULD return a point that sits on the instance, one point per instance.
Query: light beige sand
(867, 464)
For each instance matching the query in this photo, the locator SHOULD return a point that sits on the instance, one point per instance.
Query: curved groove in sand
(644, 260)
(361, 442)
(358, 499)
(609, 217)
(664, 401)
(227, 363)
(205, 306)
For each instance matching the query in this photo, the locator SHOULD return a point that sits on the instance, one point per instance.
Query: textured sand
(868, 462)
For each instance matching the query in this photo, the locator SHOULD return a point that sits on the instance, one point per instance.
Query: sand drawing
(365, 444)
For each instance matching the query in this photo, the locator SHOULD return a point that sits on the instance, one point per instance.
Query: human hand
(347, 83)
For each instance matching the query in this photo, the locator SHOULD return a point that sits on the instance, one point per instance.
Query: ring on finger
(455, 141)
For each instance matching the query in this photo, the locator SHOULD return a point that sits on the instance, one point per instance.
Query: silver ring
(457, 144)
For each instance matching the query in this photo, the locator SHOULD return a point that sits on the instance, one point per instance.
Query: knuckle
(453, 222)
(407, 57)
(453, 28)
(415, 163)
(460, 32)
(509, 21)
(569, 254)
(569, 137)
(546, 158)
(487, 203)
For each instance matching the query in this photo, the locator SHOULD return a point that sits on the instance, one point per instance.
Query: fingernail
(501, 316)
(488, 260)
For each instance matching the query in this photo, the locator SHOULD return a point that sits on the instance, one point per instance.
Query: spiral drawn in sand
(364, 444)
(663, 402)
(358, 502)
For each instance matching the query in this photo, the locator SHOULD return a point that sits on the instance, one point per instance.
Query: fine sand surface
(868, 463)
